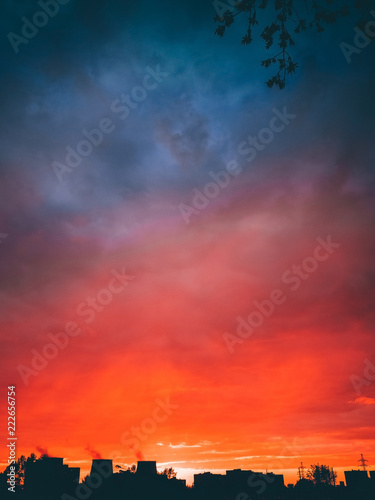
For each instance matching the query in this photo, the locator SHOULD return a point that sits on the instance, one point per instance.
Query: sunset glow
(240, 335)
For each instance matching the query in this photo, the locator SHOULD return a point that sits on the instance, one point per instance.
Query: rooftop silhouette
(48, 478)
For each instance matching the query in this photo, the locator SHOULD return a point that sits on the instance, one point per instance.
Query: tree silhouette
(169, 472)
(20, 466)
(321, 475)
(285, 20)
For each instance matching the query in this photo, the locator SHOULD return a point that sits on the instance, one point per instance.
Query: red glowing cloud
(286, 389)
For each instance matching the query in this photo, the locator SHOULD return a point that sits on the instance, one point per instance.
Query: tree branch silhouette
(288, 19)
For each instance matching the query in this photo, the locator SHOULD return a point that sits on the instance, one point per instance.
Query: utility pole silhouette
(363, 461)
(301, 471)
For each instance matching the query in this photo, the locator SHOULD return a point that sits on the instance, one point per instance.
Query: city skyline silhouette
(50, 479)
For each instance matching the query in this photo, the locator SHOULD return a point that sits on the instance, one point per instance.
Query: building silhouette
(358, 481)
(236, 483)
(48, 478)
(146, 468)
(100, 464)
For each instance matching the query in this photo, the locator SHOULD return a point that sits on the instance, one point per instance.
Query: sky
(196, 287)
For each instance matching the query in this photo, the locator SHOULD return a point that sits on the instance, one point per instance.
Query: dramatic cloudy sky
(301, 386)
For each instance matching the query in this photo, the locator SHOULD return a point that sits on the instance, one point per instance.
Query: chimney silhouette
(146, 468)
(101, 466)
